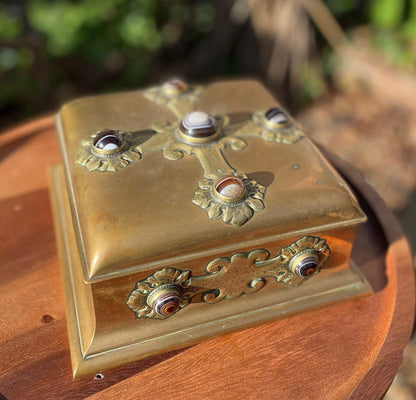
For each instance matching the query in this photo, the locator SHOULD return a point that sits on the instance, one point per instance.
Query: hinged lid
(152, 182)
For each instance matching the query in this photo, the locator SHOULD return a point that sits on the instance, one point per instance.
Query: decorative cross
(223, 192)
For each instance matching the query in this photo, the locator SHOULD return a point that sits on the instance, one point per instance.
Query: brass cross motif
(223, 192)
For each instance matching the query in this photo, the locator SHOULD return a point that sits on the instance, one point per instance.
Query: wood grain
(350, 350)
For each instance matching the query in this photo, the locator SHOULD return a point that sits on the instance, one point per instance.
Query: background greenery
(51, 51)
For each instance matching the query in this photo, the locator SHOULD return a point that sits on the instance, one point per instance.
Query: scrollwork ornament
(240, 274)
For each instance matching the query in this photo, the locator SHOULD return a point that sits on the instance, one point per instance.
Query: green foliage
(51, 50)
(409, 26)
(71, 46)
(394, 30)
(138, 30)
(312, 84)
(386, 13)
(10, 27)
(340, 7)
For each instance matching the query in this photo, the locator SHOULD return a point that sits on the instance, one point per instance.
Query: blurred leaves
(386, 13)
(10, 26)
(51, 51)
(393, 26)
(138, 30)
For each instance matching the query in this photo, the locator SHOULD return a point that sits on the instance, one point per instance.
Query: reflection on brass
(229, 277)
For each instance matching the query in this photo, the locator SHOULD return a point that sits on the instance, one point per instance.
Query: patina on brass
(135, 227)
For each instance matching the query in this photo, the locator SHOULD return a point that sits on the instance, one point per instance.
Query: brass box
(185, 212)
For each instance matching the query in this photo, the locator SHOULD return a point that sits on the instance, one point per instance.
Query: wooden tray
(349, 350)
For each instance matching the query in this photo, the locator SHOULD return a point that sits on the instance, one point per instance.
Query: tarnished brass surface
(143, 217)
(103, 334)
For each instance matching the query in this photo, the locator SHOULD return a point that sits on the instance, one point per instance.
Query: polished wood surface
(349, 350)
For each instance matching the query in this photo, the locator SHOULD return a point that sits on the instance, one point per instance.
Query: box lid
(166, 193)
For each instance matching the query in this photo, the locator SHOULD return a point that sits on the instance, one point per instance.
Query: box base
(320, 291)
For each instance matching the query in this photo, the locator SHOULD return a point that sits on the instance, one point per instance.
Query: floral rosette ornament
(234, 198)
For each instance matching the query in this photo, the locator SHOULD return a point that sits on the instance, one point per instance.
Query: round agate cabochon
(307, 266)
(108, 140)
(174, 86)
(166, 304)
(276, 116)
(231, 188)
(198, 124)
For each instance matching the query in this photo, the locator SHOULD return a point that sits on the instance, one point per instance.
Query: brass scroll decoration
(227, 277)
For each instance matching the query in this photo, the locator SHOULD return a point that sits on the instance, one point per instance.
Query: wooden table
(349, 350)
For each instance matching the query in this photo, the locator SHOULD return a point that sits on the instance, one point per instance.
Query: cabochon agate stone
(108, 140)
(230, 187)
(198, 124)
(174, 86)
(276, 116)
(307, 266)
(166, 304)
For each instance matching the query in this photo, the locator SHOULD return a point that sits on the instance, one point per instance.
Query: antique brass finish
(156, 230)
(146, 234)
(230, 277)
(103, 334)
